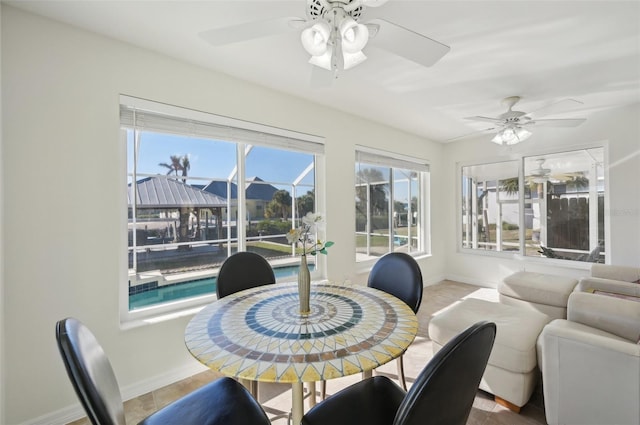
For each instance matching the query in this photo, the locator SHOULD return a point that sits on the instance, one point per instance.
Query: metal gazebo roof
(165, 192)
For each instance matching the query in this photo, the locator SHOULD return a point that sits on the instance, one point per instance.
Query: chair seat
(377, 400)
(443, 392)
(223, 401)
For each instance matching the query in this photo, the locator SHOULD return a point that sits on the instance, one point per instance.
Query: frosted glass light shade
(511, 136)
(324, 60)
(353, 59)
(354, 36)
(315, 39)
(337, 50)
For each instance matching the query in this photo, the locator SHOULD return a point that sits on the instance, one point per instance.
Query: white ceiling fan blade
(373, 29)
(484, 119)
(408, 44)
(373, 3)
(559, 106)
(321, 78)
(486, 130)
(564, 177)
(251, 30)
(564, 122)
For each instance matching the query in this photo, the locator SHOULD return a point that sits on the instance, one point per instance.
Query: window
(391, 193)
(490, 207)
(187, 211)
(554, 208)
(564, 205)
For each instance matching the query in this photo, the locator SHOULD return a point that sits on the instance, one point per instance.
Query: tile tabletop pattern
(258, 334)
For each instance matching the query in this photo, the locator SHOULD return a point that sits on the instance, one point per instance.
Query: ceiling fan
(514, 126)
(540, 174)
(333, 34)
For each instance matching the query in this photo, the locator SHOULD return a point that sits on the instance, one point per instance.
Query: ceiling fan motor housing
(318, 9)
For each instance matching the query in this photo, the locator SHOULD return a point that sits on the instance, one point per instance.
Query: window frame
(521, 157)
(242, 134)
(500, 243)
(396, 161)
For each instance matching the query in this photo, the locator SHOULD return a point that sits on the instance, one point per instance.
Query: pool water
(192, 288)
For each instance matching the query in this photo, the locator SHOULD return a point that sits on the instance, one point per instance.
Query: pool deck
(196, 250)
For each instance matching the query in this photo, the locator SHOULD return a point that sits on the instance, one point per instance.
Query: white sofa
(621, 280)
(591, 362)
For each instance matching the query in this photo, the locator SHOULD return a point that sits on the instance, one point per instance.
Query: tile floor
(276, 398)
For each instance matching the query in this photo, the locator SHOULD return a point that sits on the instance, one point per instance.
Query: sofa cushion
(514, 348)
(619, 317)
(624, 273)
(635, 298)
(538, 288)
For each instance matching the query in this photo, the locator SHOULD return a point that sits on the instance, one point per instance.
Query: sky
(216, 159)
(211, 159)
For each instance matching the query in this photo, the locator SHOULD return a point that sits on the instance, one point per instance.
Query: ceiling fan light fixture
(315, 39)
(511, 136)
(336, 58)
(323, 60)
(354, 35)
(353, 59)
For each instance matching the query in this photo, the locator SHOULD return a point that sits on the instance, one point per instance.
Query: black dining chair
(442, 394)
(223, 401)
(243, 270)
(398, 274)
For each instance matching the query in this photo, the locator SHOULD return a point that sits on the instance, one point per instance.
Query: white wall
(619, 130)
(64, 198)
(2, 297)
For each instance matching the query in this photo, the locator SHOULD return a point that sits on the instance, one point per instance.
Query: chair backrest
(90, 373)
(243, 270)
(398, 274)
(444, 391)
(222, 402)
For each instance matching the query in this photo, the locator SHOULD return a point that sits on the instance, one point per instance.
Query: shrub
(509, 226)
(272, 227)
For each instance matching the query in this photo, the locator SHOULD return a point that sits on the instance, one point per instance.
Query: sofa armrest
(617, 316)
(590, 377)
(591, 284)
(624, 273)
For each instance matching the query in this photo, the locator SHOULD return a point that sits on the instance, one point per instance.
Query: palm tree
(280, 205)
(185, 166)
(174, 166)
(180, 163)
(378, 187)
(305, 203)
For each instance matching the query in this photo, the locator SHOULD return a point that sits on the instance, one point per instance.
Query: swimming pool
(192, 288)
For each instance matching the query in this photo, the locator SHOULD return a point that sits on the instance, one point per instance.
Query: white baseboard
(432, 280)
(75, 411)
(470, 281)
(159, 381)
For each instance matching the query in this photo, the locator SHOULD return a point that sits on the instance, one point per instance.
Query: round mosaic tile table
(259, 335)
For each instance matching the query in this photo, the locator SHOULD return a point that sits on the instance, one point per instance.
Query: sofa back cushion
(624, 273)
(617, 316)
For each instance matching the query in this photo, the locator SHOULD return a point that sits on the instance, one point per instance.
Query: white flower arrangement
(301, 234)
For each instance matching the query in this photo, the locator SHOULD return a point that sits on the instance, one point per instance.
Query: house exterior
(258, 195)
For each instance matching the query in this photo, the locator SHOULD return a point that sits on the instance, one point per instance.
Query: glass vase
(304, 285)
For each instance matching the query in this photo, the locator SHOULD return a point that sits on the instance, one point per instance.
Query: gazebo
(170, 193)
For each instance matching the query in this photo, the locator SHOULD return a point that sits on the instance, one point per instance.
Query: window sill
(538, 261)
(163, 312)
(152, 320)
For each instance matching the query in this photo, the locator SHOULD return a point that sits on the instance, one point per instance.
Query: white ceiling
(543, 51)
